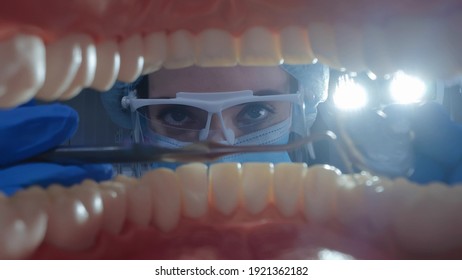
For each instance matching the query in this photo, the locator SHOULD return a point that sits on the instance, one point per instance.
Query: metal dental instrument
(139, 153)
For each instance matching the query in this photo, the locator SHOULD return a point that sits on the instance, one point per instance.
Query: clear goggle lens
(190, 124)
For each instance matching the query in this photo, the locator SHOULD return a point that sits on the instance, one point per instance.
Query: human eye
(177, 115)
(254, 114)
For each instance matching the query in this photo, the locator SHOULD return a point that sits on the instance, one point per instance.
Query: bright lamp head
(407, 89)
(349, 95)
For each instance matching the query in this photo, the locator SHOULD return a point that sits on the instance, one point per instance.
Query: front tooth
(166, 197)
(349, 48)
(155, 52)
(426, 224)
(107, 68)
(180, 52)
(131, 58)
(23, 220)
(288, 181)
(257, 179)
(88, 193)
(215, 47)
(414, 52)
(22, 69)
(258, 46)
(225, 181)
(86, 72)
(319, 193)
(13, 232)
(63, 59)
(114, 199)
(295, 46)
(376, 53)
(452, 47)
(139, 202)
(322, 38)
(70, 225)
(31, 204)
(193, 180)
(351, 208)
(385, 200)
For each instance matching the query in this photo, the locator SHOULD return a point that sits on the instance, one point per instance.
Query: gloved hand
(437, 143)
(417, 141)
(30, 130)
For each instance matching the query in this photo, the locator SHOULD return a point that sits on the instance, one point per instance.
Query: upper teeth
(22, 71)
(64, 66)
(63, 60)
(108, 65)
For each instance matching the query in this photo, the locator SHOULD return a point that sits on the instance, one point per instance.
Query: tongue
(195, 240)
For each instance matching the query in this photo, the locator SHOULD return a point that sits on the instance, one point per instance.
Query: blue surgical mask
(274, 157)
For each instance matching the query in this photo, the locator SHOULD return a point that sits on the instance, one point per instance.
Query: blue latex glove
(437, 145)
(30, 130)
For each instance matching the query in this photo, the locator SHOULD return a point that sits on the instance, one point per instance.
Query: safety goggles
(192, 117)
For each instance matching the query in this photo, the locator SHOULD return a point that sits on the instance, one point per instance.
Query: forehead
(166, 83)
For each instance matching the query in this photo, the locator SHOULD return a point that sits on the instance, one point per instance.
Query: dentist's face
(184, 123)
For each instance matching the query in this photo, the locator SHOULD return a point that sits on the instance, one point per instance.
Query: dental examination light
(407, 89)
(355, 92)
(349, 95)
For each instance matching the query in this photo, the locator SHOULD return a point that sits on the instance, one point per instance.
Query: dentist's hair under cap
(313, 80)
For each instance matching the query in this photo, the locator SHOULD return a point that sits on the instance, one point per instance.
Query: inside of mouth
(264, 240)
(265, 235)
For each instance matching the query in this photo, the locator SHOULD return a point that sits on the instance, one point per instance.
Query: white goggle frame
(212, 102)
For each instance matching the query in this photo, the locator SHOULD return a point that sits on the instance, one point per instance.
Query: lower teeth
(338, 207)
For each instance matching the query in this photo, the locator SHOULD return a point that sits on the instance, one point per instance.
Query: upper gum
(153, 15)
